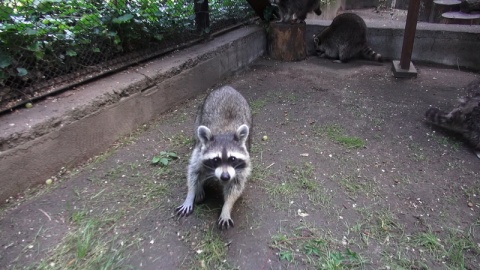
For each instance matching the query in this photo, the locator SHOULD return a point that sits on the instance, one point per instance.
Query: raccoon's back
(346, 28)
(224, 110)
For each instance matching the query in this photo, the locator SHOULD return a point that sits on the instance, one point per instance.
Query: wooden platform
(447, 2)
(458, 17)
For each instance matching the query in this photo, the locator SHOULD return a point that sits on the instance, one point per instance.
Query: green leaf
(158, 37)
(30, 32)
(70, 52)
(5, 13)
(39, 55)
(155, 160)
(97, 50)
(35, 47)
(22, 72)
(123, 18)
(5, 60)
(172, 155)
(164, 161)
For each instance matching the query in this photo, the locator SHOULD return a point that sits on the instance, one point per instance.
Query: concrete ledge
(445, 44)
(67, 130)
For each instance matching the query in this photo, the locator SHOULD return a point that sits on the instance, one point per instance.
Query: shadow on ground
(350, 178)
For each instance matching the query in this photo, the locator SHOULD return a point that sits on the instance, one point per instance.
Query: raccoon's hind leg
(231, 193)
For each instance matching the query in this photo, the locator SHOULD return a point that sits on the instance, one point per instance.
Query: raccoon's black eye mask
(236, 163)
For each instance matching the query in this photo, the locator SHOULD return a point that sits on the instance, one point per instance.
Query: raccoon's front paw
(225, 223)
(184, 210)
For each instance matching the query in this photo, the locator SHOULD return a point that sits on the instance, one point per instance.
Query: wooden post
(202, 18)
(286, 41)
(409, 35)
(404, 67)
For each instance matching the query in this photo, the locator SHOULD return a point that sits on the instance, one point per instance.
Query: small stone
(470, 204)
(49, 181)
(28, 105)
(265, 138)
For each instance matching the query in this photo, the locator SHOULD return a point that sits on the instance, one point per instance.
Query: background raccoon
(296, 10)
(220, 154)
(465, 119)
(345, 38)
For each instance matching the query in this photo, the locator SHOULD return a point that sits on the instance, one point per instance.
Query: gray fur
(296, 10)
(220, 155)
(464, 119)
(345, 38)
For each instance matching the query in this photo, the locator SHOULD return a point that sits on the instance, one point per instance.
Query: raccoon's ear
(242, 133)
(204, 134)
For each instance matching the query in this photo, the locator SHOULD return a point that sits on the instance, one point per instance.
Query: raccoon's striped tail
(439, 118)
(369, 53)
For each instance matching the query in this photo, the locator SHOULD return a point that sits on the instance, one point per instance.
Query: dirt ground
(349, 177)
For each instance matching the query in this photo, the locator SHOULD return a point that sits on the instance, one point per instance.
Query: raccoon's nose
(225, 176)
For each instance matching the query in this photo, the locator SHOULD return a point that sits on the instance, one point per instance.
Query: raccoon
(221, 151)
(296, 10)
(464, 119)
(344, 39)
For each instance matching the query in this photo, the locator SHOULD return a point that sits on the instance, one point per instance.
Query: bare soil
(349, 177)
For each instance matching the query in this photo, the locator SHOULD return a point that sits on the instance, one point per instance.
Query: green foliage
(164, 158)
(45, 35)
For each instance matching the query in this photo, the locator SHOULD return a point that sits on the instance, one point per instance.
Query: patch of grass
(151, 190)
(211, 252)
(378, 224)
(447, 142)
(430, 242)
(181, 139)
(337, 134)
(358, 185)
(417, 152)
(257, 104)
(91, 244)
(260, 172)
(459, 245)
(401, 261)
(306, 182)
(309, 250)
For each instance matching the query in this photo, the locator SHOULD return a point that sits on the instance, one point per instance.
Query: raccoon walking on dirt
(296, 10)
(221, 152)
(344, 39)
(464, 119)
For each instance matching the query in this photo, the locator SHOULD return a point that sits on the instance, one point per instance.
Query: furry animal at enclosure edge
(296, 10)
(221, 152)
(345, 38)
(464, 119)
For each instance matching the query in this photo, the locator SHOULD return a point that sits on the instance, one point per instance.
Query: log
(468, 6)
(286, 41)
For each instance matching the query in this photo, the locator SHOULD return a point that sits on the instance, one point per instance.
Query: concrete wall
(452, 45)
(63, 132)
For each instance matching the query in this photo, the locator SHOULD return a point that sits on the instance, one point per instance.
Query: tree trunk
(286, 41)
(468, 6)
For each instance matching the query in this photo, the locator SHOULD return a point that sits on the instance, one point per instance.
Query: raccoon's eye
(216, 160)
(232, 159)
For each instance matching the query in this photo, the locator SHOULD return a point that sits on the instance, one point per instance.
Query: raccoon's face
(318, 44)
(225, 164)
(224, 155)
